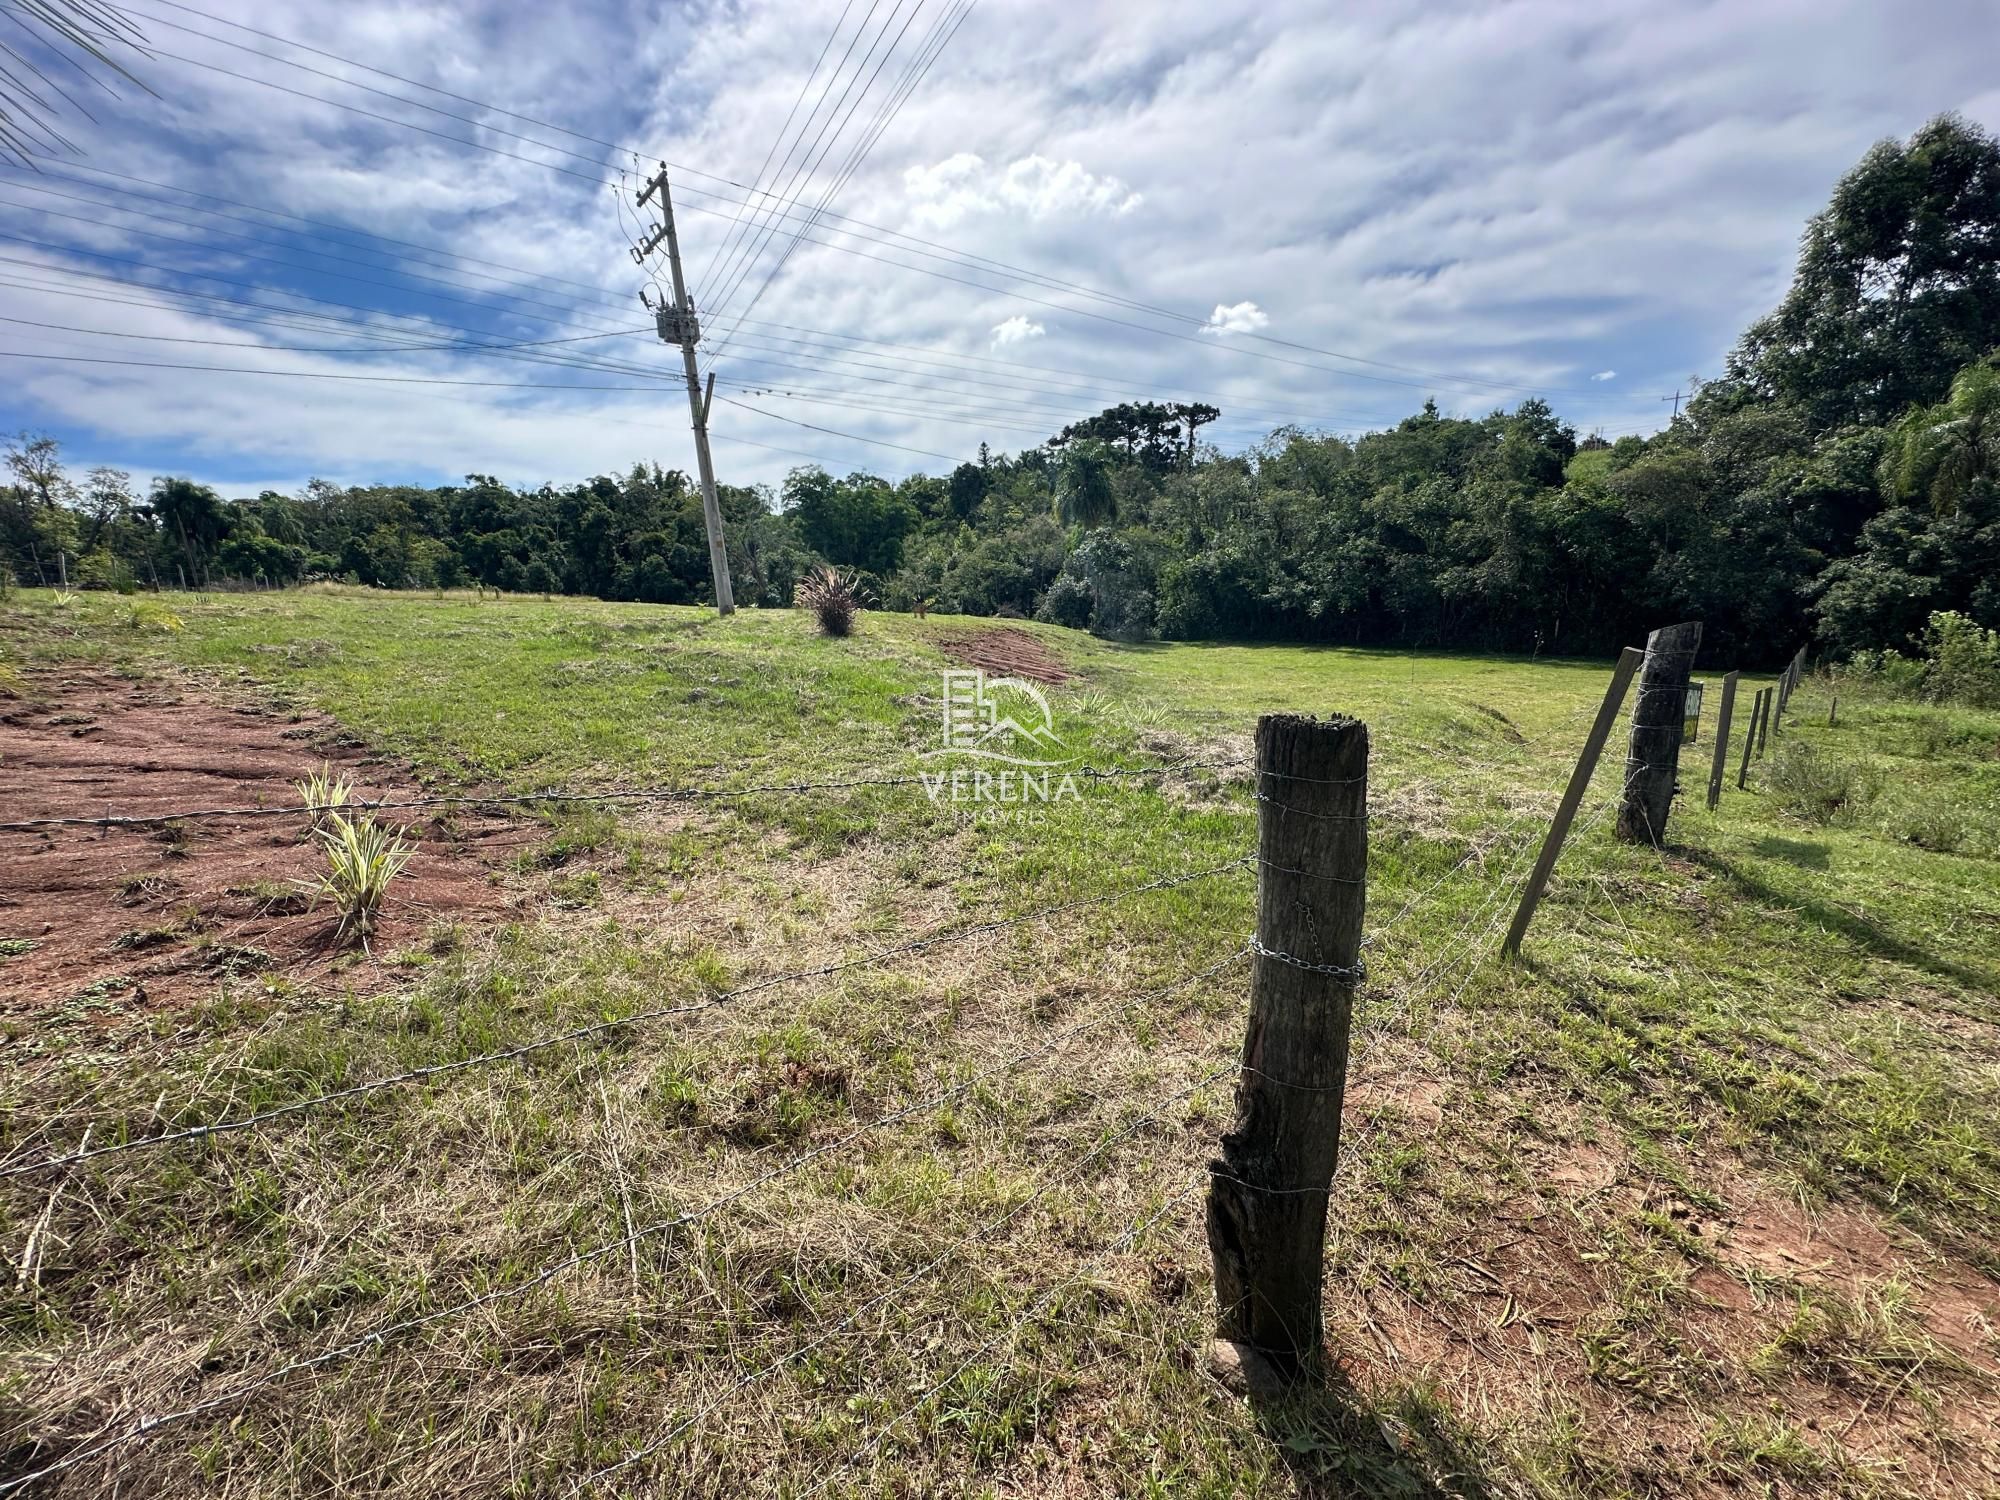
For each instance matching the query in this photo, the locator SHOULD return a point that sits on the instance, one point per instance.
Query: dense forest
(1840, 481)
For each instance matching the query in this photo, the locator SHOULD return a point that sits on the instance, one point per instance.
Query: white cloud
(1016, 329)
(1238, 317)
(1511, 196)
(964, 186)
(1605, 375)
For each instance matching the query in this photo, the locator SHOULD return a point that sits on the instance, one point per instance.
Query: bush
(1068, 602)
(1930, 825)
(834, 597)
(1816, 786)
(1963, 661)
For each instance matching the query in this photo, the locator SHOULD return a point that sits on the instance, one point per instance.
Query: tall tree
(1898, 283)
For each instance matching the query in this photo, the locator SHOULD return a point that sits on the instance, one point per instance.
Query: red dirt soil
(161, 915)
(1007, 653)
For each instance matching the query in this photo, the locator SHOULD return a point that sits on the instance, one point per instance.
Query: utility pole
(1677, 396)
(678, 325)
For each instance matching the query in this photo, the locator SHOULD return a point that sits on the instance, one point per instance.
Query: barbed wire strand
(595, 1028)
(993, 1226)
(477, 799)
(1035, 1309)
(146, 1426)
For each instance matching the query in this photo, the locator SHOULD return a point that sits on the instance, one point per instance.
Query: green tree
(1898, 283)
(1937, 454)
(1084, 494)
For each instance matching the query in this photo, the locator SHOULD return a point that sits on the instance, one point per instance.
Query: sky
(915, 225)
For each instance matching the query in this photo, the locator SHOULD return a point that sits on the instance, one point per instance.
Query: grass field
(1701, 1199)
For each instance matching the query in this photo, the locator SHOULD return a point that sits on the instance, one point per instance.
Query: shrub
(833, 595)
(1069, 601)
(1930, 825)
(362, 858)
(103, 569)
(1963, 661)
(1816, 786)
(152, 617)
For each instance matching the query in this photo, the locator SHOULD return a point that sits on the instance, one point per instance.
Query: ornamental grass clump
(362, 858)
(834, 597)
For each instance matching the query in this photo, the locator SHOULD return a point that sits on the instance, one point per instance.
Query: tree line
(1839, 481)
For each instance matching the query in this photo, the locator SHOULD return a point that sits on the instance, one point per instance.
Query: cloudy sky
(966, 220)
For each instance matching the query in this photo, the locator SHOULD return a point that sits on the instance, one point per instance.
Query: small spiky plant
(833, 595)
(323, 791)
(64, 598)
(362, 857)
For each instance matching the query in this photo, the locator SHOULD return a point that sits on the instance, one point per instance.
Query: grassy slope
(1533, 1277)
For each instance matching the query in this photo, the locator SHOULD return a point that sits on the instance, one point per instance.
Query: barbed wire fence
(1458, 959)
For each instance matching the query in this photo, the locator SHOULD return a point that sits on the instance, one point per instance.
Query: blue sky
(1469, 202)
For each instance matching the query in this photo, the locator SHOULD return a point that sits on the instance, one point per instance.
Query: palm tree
(85, 34)
(1940, 451)
(1083, 485)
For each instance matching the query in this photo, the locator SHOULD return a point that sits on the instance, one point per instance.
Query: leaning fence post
(1763, 725)
(1749, 740)
(1268, 1190)
(1579, 782)
(1716, 770)
(1573, 795)
(1653, 762)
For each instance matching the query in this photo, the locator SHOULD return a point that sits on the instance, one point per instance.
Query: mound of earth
(1007, 653)
(104, 915)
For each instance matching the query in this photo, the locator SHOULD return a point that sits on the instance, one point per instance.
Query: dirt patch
(108, 917)
(1845, 1249)
(1007, 653)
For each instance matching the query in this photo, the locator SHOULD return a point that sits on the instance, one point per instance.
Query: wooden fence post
(1653, 761)
(1749, 740)
(1764, 721)
(1579, 783)
(1715, 771)
(1833, 712)
(1268, 1190)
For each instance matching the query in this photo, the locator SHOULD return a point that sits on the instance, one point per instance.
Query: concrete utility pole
(678, 325)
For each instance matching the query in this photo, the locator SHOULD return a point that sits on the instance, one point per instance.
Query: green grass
(1790, 1011)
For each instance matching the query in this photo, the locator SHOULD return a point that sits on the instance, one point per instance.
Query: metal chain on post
(1268, 1195)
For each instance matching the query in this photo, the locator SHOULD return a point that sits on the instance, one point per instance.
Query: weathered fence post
(1653, 761)
(1763, 725)
(1579, 783)
(1715, 771)
(1833, 712)
(1268, 1190)
(1749, 740)
(62, 568)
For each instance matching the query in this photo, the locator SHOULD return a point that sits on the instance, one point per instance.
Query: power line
(1186, 320)
(148, 364)
(945, 28)
(759, 209)
(938, 411)
(943, 251)
(756, 182)
(811, 165)
(949, 458)
(1042, 381)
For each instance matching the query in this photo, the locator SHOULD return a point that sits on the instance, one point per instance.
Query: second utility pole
(678, 325)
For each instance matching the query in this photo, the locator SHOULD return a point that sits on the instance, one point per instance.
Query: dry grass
(875, 1230)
